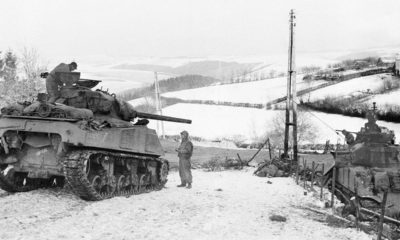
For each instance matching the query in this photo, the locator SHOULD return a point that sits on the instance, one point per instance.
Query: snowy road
(221, 205)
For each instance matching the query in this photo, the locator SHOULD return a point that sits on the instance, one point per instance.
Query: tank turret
(78, 101)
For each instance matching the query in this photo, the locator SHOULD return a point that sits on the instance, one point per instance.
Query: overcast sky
(118, 28)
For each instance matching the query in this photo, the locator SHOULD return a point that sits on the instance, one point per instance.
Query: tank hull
(40, 152)
(367, 170)
(135, 139)
(361, 181)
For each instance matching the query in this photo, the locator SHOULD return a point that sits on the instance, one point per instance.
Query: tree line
(20, 76)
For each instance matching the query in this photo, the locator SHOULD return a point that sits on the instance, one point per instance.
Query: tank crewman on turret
(349, 137)
(371, 125)
(185, 151)
(52, 83)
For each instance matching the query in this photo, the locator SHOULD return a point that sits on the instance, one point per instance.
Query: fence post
(297, 173)
(383, 205)
(357, 205)
(333, 187)
(304, 173)
(312, 175)
(321, 181)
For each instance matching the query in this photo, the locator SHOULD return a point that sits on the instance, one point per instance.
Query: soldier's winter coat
(52, 83)
(185, 151)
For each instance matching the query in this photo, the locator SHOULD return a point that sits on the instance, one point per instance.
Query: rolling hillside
(249, 92)
(218, 122)
(348, 88)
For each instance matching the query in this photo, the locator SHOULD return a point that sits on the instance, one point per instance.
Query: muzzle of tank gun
(44, 74)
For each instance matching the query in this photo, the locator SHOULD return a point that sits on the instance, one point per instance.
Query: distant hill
(217, 69)
(379, 52)
(145, 67)
(169, 85)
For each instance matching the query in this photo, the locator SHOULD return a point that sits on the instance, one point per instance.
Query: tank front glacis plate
(137, 139)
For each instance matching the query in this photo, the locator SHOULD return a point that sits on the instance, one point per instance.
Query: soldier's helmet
(185, 133)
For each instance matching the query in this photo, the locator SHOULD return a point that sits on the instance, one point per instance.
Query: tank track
(75, 163)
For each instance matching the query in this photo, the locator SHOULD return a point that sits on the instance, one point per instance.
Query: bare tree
(306, 131)
(31, 68)
(20, 77)
(8, 77)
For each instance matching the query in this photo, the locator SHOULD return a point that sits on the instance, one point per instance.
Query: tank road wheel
(164, 172)
(109, 188)
(121, 184)
(134, 184)
(141, 187)
(96, 175)
(163, 175)
(96, 183)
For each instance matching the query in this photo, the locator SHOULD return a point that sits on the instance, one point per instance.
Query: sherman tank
(89, 139)
(368, 167)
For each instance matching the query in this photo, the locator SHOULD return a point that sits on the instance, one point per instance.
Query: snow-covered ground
(347, 88)
(142, 101)
(392, 98)
(217, 122)
(249, 92)
(221, 205)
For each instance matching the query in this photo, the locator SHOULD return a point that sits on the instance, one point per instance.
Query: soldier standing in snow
(185, 151)
(52, 83)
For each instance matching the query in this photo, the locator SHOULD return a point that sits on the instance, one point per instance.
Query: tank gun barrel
(162, 118)
(337, 130)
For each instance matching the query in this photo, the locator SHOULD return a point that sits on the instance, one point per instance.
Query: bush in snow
(214, 164)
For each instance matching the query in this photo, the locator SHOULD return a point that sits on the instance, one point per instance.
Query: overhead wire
(326, 124)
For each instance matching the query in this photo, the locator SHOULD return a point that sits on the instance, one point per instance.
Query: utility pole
(291, 92)
(158, 104)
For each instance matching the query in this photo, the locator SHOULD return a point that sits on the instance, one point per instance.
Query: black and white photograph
(200, 119)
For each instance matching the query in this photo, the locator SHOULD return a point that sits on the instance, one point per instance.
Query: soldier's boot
(189, 185)
(182, 185)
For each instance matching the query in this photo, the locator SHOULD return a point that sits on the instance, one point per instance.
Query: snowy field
(217, 122)
(248, 92)
(221, 205)
(392, 98)
(142, 101)
(347, 88)
(270, 89)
